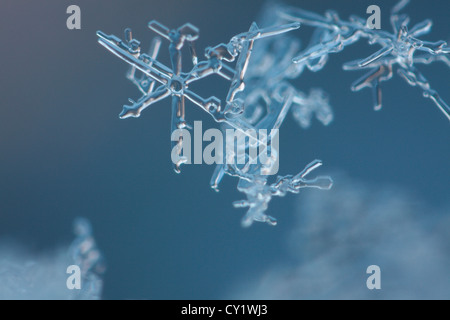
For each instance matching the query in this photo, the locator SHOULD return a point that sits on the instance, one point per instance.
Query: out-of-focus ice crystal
(31, 276)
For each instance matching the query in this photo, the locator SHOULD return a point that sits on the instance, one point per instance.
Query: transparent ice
(259, 65)
(400, 50)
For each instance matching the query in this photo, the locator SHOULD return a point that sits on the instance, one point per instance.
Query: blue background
(64, 152)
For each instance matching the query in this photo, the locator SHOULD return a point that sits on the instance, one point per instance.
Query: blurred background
(64, 153)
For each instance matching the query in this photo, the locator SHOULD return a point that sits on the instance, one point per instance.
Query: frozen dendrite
(157, 81)
(259, 65)
(400, 50)
(259, 193)
(175, 83)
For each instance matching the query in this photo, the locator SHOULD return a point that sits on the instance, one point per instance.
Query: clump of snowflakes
(259, 65)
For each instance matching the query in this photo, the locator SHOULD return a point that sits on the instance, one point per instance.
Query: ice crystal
(259, 65)
(400, 49)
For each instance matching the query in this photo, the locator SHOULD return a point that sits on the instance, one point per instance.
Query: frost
(259, 65)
